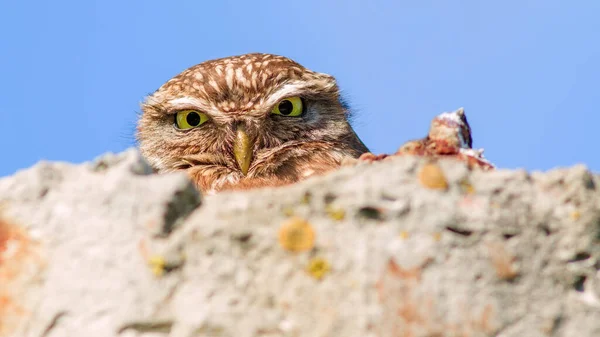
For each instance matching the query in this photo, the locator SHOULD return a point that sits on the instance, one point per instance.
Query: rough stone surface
(402, 247)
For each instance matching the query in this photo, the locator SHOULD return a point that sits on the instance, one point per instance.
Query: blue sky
(527, 72)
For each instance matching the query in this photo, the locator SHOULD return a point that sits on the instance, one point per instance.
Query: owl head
(247, 121)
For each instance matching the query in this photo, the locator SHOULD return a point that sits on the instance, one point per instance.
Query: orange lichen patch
(18, 252)
(502, 261)
(403, 306)
(575, 215)
(432, 176)
(410, 310)
(473, 161)
(394, 269)
(335, 213)
(296, 235)
(412, 147)
(318, 267)
(152, 225)
(437, 236)
(469, 202)
(484, 323)
(474, 324)
(404, 235)
(143, 249)
(371, 157)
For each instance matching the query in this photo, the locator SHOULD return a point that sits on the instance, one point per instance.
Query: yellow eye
(188, 119)
(292, 107)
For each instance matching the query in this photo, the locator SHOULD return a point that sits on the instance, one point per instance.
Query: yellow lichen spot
(437, 236)
(318, 267)
(466, 187)
(404, 235)
(575, 215)
(288, 211)
(157, 264)
(306, 198)
(296, 235)
(335, 213)
(432, 176)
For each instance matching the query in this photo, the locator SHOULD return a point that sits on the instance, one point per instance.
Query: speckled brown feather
(243, 90)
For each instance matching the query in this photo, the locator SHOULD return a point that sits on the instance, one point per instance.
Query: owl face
(249, 120)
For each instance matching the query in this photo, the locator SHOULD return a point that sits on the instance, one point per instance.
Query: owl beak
(242, 148)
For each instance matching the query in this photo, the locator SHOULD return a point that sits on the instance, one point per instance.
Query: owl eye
(188, 119)
(292, 106)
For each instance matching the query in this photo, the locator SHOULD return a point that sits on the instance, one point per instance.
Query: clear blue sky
(72, 73)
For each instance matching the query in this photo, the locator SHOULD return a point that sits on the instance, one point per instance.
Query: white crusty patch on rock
(454, 119)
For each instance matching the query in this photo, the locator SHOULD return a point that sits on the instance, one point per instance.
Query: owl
(247, 121)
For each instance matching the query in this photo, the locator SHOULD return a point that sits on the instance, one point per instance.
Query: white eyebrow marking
(183, 102)
(188, 102)
(288, 90)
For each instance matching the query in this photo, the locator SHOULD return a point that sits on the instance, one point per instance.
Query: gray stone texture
(110, 249)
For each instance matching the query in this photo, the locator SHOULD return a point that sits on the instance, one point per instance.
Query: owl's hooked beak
(242, 148)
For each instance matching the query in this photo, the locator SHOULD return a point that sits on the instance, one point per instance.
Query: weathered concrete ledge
(401, 247)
